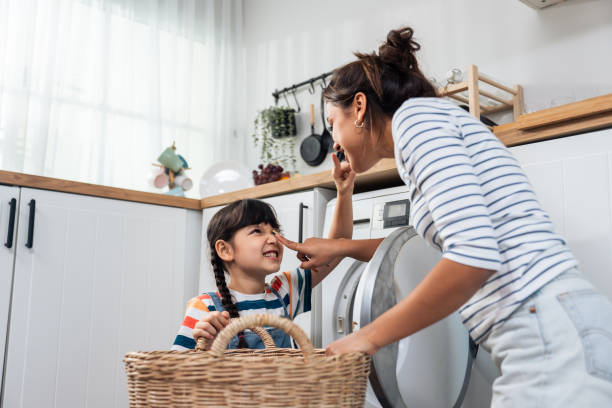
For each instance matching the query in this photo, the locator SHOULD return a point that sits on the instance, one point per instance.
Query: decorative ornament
(171, 173)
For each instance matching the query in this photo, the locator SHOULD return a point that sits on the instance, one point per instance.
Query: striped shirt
(471, 199)
(294, 288)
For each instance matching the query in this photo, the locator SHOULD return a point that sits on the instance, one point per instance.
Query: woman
(511, 277)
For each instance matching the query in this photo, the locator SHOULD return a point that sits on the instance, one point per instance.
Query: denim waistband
(555, 285)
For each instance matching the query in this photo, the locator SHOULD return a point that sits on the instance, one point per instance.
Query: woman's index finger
(337, 164)
(335, 159)
(286, 242)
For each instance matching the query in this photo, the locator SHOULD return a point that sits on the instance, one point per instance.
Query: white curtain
(94, 90)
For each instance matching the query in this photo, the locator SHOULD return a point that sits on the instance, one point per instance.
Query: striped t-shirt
(294, 288)
(471, 199)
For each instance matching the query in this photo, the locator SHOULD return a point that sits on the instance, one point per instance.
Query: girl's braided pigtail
(226, 297)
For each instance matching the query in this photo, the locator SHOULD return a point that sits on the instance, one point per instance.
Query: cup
(169, 159)
(161, 180)
(454, 76)
(185, 182)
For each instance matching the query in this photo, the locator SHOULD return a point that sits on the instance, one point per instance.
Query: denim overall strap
(219, 307)
(283, 338)
(216, 301)
(278, 296)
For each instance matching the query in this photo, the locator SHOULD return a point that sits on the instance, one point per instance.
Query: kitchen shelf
(571, 119)
(513, 99)
(578, 117)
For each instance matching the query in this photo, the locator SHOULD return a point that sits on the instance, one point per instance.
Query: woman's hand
(210, 326)
(314, 252)
(355, 342)
(343, 175)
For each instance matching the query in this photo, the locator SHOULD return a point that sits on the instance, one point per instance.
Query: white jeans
(556, 349)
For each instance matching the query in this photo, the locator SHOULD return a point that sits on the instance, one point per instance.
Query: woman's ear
(224, 250)
(360, 102)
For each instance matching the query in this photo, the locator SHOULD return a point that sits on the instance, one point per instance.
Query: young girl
(243, 242)
(512, 278)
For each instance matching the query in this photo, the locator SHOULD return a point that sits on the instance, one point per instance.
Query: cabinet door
(572, 178)
(7, 252)
(102, 277)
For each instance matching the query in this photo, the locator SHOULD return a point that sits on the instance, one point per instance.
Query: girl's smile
(272, 255)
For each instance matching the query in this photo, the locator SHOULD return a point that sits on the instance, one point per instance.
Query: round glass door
(430, 368)
(345, 301)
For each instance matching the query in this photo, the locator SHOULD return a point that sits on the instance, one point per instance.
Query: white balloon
(225, 177)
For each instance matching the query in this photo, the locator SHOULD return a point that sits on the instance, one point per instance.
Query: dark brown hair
(223, 226)
(387, 78)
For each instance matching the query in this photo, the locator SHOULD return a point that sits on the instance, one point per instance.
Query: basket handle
(203, 343)
(260, 320)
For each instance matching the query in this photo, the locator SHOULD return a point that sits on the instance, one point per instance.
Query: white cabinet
(307, 207)
(102, 277)
(9, 203)
(572, 177)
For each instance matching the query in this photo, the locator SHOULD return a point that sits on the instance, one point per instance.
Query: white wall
(559, 54)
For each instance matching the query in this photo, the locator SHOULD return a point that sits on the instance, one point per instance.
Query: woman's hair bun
(387, 78)
(399, 50)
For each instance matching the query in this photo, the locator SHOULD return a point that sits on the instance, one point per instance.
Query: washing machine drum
(431, 368)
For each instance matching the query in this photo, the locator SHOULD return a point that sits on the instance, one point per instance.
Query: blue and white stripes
(471, 200)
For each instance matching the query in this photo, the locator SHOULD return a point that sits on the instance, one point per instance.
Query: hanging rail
(277, 94)
(514, 102)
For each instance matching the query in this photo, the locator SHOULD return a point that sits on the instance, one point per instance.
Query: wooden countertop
(383, 174)
(578, 117)
(66, 186)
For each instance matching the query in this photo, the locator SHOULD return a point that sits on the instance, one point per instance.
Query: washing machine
(432, 368)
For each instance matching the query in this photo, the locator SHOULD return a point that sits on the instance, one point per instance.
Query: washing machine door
(431, 368)
(342, 314)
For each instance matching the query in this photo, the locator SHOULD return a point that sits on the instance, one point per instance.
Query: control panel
(389, 214)
(395, 213)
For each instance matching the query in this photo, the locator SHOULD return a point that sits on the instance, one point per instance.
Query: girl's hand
(355, 342)
(210, 326)
(314, 252)
(343, 175)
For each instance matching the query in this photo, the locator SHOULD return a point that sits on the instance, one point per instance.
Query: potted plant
(274, 133)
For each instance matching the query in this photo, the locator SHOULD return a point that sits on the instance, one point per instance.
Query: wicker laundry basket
(271, 377)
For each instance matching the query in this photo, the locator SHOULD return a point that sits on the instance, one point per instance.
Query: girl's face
(354, 141)
(256, 250)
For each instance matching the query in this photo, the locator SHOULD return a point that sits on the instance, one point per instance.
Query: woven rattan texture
(270, 377)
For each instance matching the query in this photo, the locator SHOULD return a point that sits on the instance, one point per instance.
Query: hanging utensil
(326, 138)
(296, 101)
(312, 148)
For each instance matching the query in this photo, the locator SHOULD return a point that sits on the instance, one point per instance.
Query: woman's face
(354, 141)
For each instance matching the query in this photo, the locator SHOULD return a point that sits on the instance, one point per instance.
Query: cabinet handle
(30, 242)
(11, 224)
(301, 221)
(361, 221)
